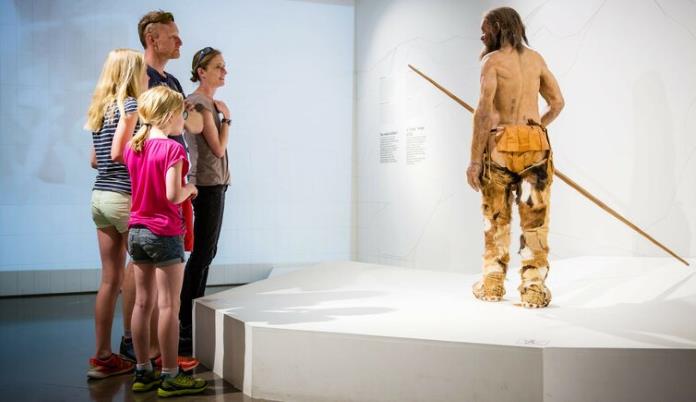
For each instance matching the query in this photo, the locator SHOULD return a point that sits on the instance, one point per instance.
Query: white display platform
(618, 329)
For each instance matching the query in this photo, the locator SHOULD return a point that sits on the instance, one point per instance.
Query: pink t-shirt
(148, 170)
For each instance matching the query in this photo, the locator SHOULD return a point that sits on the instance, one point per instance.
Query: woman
(157, 165)
(209, 172)
(112, 118)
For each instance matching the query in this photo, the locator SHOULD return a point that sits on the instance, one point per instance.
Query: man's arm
(551, 92)
(483, 122)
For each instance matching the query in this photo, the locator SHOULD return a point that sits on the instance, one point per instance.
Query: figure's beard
(489, 46)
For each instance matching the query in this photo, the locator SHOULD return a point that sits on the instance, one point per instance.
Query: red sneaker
(114, 365)
(184, 362)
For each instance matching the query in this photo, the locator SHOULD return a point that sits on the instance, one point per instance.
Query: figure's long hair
(156, 107)
(507, 29)
(120, 79)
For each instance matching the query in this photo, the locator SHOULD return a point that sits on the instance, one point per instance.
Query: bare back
(519, 80)
(512, 78)
(511, 83)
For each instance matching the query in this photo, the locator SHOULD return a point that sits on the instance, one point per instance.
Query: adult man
(511, 156)
(159, 36)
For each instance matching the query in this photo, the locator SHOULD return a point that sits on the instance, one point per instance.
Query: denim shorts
(146, 247)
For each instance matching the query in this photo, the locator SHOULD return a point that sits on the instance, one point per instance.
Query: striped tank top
(112, 176)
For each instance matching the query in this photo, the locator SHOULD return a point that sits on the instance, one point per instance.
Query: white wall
(626, 69)
(290, 90)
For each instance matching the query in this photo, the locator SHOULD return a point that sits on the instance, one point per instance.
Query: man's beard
(488, 47)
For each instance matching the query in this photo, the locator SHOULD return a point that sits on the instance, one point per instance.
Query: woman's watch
(226, 121)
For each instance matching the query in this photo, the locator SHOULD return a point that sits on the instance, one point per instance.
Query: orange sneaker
(184, 362)
(114, 365)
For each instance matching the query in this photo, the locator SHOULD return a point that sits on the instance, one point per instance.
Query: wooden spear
(563, 177)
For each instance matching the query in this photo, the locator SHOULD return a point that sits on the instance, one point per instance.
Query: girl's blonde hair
(156, 107)
(120, 79)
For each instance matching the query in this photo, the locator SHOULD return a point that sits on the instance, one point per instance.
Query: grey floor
(46, 342)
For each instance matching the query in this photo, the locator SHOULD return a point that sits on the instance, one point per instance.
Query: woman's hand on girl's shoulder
(189, 106)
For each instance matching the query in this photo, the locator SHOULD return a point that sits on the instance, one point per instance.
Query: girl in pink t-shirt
(157, 166)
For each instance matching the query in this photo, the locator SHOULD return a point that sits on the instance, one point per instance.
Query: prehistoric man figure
(511, 156)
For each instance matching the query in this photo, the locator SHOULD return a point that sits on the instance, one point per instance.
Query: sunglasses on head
(201, 54)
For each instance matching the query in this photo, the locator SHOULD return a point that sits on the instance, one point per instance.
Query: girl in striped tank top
(112, 118)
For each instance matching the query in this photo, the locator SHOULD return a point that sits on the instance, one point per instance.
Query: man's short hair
(153, 17)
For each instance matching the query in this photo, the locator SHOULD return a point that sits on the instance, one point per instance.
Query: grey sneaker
(126, 349)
